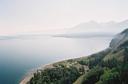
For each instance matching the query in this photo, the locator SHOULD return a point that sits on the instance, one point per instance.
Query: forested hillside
(109, 66)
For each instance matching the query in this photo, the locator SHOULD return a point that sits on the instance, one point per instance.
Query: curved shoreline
(26, 79)
(27, 76)
(30, 73)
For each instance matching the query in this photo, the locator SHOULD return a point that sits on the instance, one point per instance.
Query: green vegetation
(107, 67)
(55, 76)
(93, 75)
(65, 72)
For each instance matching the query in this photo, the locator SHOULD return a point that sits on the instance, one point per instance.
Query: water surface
(19, 55)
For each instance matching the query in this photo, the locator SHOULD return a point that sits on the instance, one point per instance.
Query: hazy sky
(18, 16)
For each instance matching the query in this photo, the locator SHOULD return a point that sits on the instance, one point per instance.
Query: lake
(19, 55)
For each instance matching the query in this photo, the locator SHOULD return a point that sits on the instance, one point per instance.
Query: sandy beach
(30, 73)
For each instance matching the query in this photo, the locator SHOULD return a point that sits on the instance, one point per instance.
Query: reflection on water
(17, 56)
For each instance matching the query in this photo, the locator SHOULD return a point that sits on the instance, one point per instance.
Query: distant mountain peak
(94, 26)
(92, 21)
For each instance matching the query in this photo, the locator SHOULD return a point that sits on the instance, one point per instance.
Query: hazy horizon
(23, 16)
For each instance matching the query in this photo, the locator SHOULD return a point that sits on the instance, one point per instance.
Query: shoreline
(29, 73)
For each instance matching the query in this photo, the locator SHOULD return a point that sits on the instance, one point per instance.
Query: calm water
(19, 55)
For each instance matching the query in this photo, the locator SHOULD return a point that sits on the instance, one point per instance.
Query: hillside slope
(109, 66)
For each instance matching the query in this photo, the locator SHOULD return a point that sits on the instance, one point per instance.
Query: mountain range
(93, 28)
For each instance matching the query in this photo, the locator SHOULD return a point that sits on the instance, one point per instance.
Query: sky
(23, 16)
